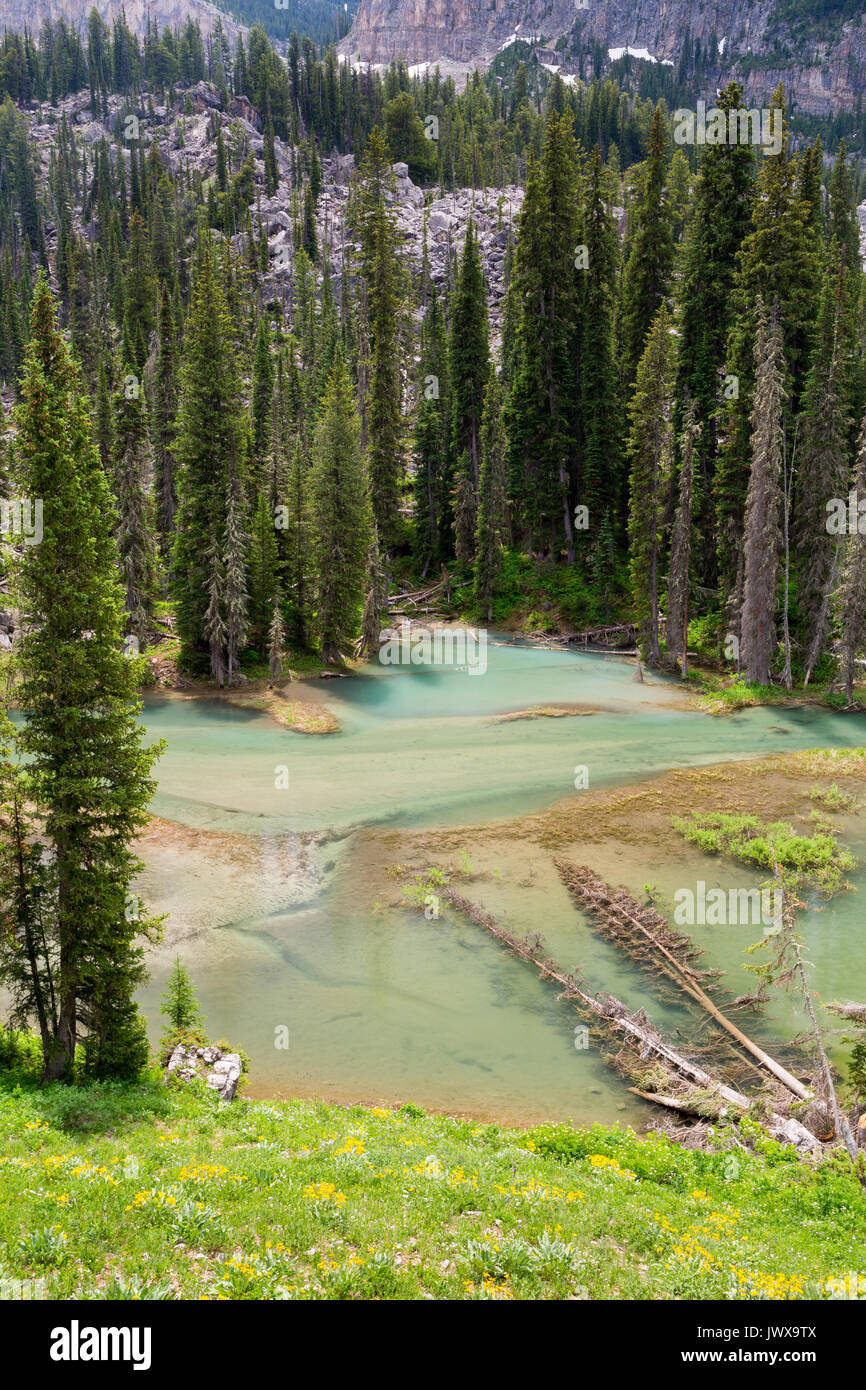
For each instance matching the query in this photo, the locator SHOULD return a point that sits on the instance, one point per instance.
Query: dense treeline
(610, 440)
(483, 134)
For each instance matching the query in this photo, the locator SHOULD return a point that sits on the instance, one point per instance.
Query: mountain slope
(32, 14)
(821, 59)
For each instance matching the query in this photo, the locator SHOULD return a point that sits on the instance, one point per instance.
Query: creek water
(280, 905)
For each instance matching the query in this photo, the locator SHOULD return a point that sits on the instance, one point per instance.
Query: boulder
(439, 221)
(790, 1131)
(225, 1075)
(220, 1073)
(204, 96)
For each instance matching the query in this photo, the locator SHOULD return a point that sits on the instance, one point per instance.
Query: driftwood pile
(613, 637)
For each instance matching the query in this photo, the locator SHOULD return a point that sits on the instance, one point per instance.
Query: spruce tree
(432, 443)
(208, 450)
(647, 273)
(276, 640)
(469, 356)
(822, 468)
(262, 399)
(492, 524)
(376, 597)
(81, 322)
(214, 626)
(779, 262)
(27, 962)
(139, 288)
(676, 625)
(235, 596)
(761, 535)
(341, 518)
(88, 776)
(851, 602)
(104, 416)
(716, 231)
(843, 249)
(465, 506)
(180, 1009)
(650, 449)
(163, 413)
(309, 239)
(384, 289)
(299, 567)
(135, 530)
(263, 564)
(602, 490)
(542, 425)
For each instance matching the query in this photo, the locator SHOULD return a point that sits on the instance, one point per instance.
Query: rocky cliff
(32, 14)
(186, 142)
(822, 62)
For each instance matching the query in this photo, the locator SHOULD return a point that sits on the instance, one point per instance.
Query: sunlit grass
(124, 1192)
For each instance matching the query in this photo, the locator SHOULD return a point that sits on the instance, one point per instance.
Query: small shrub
(47, 1245)
(179, 1005)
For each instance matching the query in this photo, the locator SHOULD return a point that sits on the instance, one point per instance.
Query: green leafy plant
(815, 860)
(832, 798)
(47, 1245)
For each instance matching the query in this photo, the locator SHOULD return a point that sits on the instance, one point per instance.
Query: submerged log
(784, 1129)
(624, 632)
(618, 909)
(686, 1104)
(613, 1015)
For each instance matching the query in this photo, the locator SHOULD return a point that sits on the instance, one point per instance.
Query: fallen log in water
(627, 923)
(601, 635)
(781, 1127)
(614, 1017)
(682, 1103)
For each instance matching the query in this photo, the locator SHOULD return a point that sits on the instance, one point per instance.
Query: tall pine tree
(88, 776)
(341, 517)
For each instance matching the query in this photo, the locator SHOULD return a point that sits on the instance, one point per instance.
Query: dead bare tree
(789, 968)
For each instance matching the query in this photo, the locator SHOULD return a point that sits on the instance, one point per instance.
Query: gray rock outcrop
(32, 14)
(220, 1072)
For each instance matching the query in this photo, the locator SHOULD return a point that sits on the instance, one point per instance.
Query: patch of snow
(614, 54)
(569, 78)
(524, 38)
(722, 43)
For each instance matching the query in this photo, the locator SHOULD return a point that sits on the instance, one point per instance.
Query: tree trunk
(45, 1030)
(60, 1059)
(566, 515)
